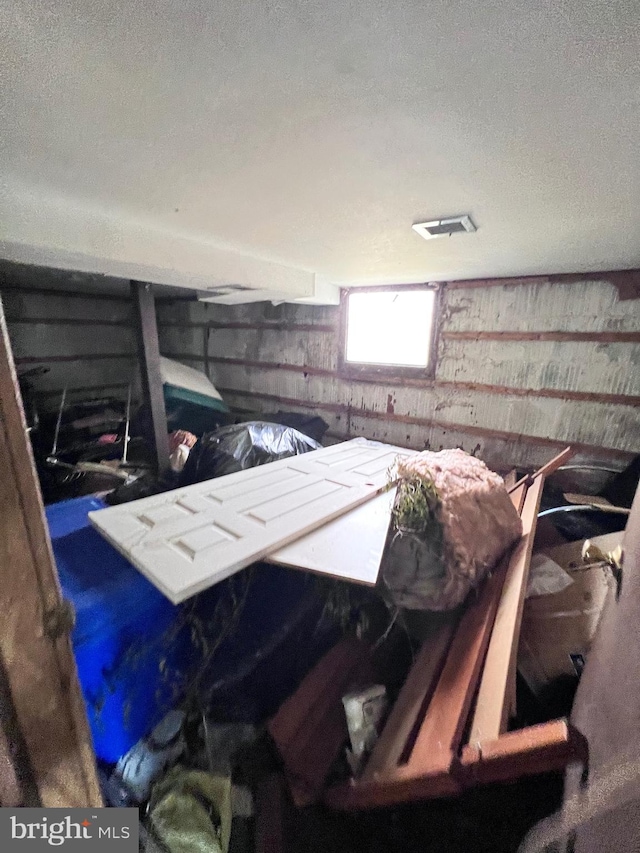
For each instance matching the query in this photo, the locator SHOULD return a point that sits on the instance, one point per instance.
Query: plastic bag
(190, 812)
(241, 446)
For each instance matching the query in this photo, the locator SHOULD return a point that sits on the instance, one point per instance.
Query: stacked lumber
(447, 730)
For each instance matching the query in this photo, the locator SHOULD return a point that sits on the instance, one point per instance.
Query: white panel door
(189, 539)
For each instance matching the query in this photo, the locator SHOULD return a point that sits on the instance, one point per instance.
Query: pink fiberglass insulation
(479, 524)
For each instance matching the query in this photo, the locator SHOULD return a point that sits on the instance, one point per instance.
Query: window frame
(367, 371)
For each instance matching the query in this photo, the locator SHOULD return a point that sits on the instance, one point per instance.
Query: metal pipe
(590, 468)
(126, 427)
(54, 449)
(583, 508)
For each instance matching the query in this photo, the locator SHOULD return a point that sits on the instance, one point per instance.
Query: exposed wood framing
(596, 337)
(66, 321)
(501, 390)
(149, 355)
(83, 389)
(68, 294)
(54, 359)
(627, 282)
(253, 327)
(40, 667)
(340, 408)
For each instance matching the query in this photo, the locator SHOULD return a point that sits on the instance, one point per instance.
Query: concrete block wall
(523, 368)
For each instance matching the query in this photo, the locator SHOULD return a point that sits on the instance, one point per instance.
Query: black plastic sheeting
(242, 446)
(310, 425)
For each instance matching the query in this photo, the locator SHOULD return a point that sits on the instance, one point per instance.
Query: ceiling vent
(227, 289)
(444, 227)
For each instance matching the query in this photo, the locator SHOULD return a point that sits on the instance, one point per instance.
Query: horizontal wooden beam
(80, 389)
(566, 337)
(59, 359)
(627, 282)
(66, 321)
(514, 755)
(500, 390)
(524, 752)
(482, 432)
(68, 294)
(278, 326)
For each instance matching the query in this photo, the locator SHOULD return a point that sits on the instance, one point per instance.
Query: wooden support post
(35, 647)
(149, 356)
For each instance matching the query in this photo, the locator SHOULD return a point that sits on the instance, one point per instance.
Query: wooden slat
(252, 327)
(67, 321)
(525, 752)
(566, 337)
(371, 414)
(310, 728)
(626, 281)
(294, 712)
(40, 670)
(402, 785)
(410, 382)
(494, 697)
(440, 734)
(551, 466)
(415, 693)
(59, 359)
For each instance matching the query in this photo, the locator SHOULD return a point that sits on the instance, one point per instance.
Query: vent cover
(227, 289)
(444, 227)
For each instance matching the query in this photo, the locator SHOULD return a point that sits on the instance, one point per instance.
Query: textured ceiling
(267, 143)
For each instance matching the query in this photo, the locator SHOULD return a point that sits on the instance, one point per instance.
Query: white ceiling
(283, 144)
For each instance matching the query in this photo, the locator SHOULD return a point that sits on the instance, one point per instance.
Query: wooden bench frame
(447, 730)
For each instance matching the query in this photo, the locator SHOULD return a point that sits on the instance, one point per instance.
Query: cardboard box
(561, 625)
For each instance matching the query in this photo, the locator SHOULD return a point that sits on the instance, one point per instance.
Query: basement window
(388, 331)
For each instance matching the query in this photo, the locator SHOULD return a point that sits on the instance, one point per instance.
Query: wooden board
(348, 548)
(310, 727)
(431, 770)
(547, 469)
(186, 540)
(441, 731)
(564, 623)
(40, 669)
(415, 694)
(524, 752)
(495, 696)
(595, 501)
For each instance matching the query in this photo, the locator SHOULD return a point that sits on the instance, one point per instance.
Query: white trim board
(189, 539)
(348, 548)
